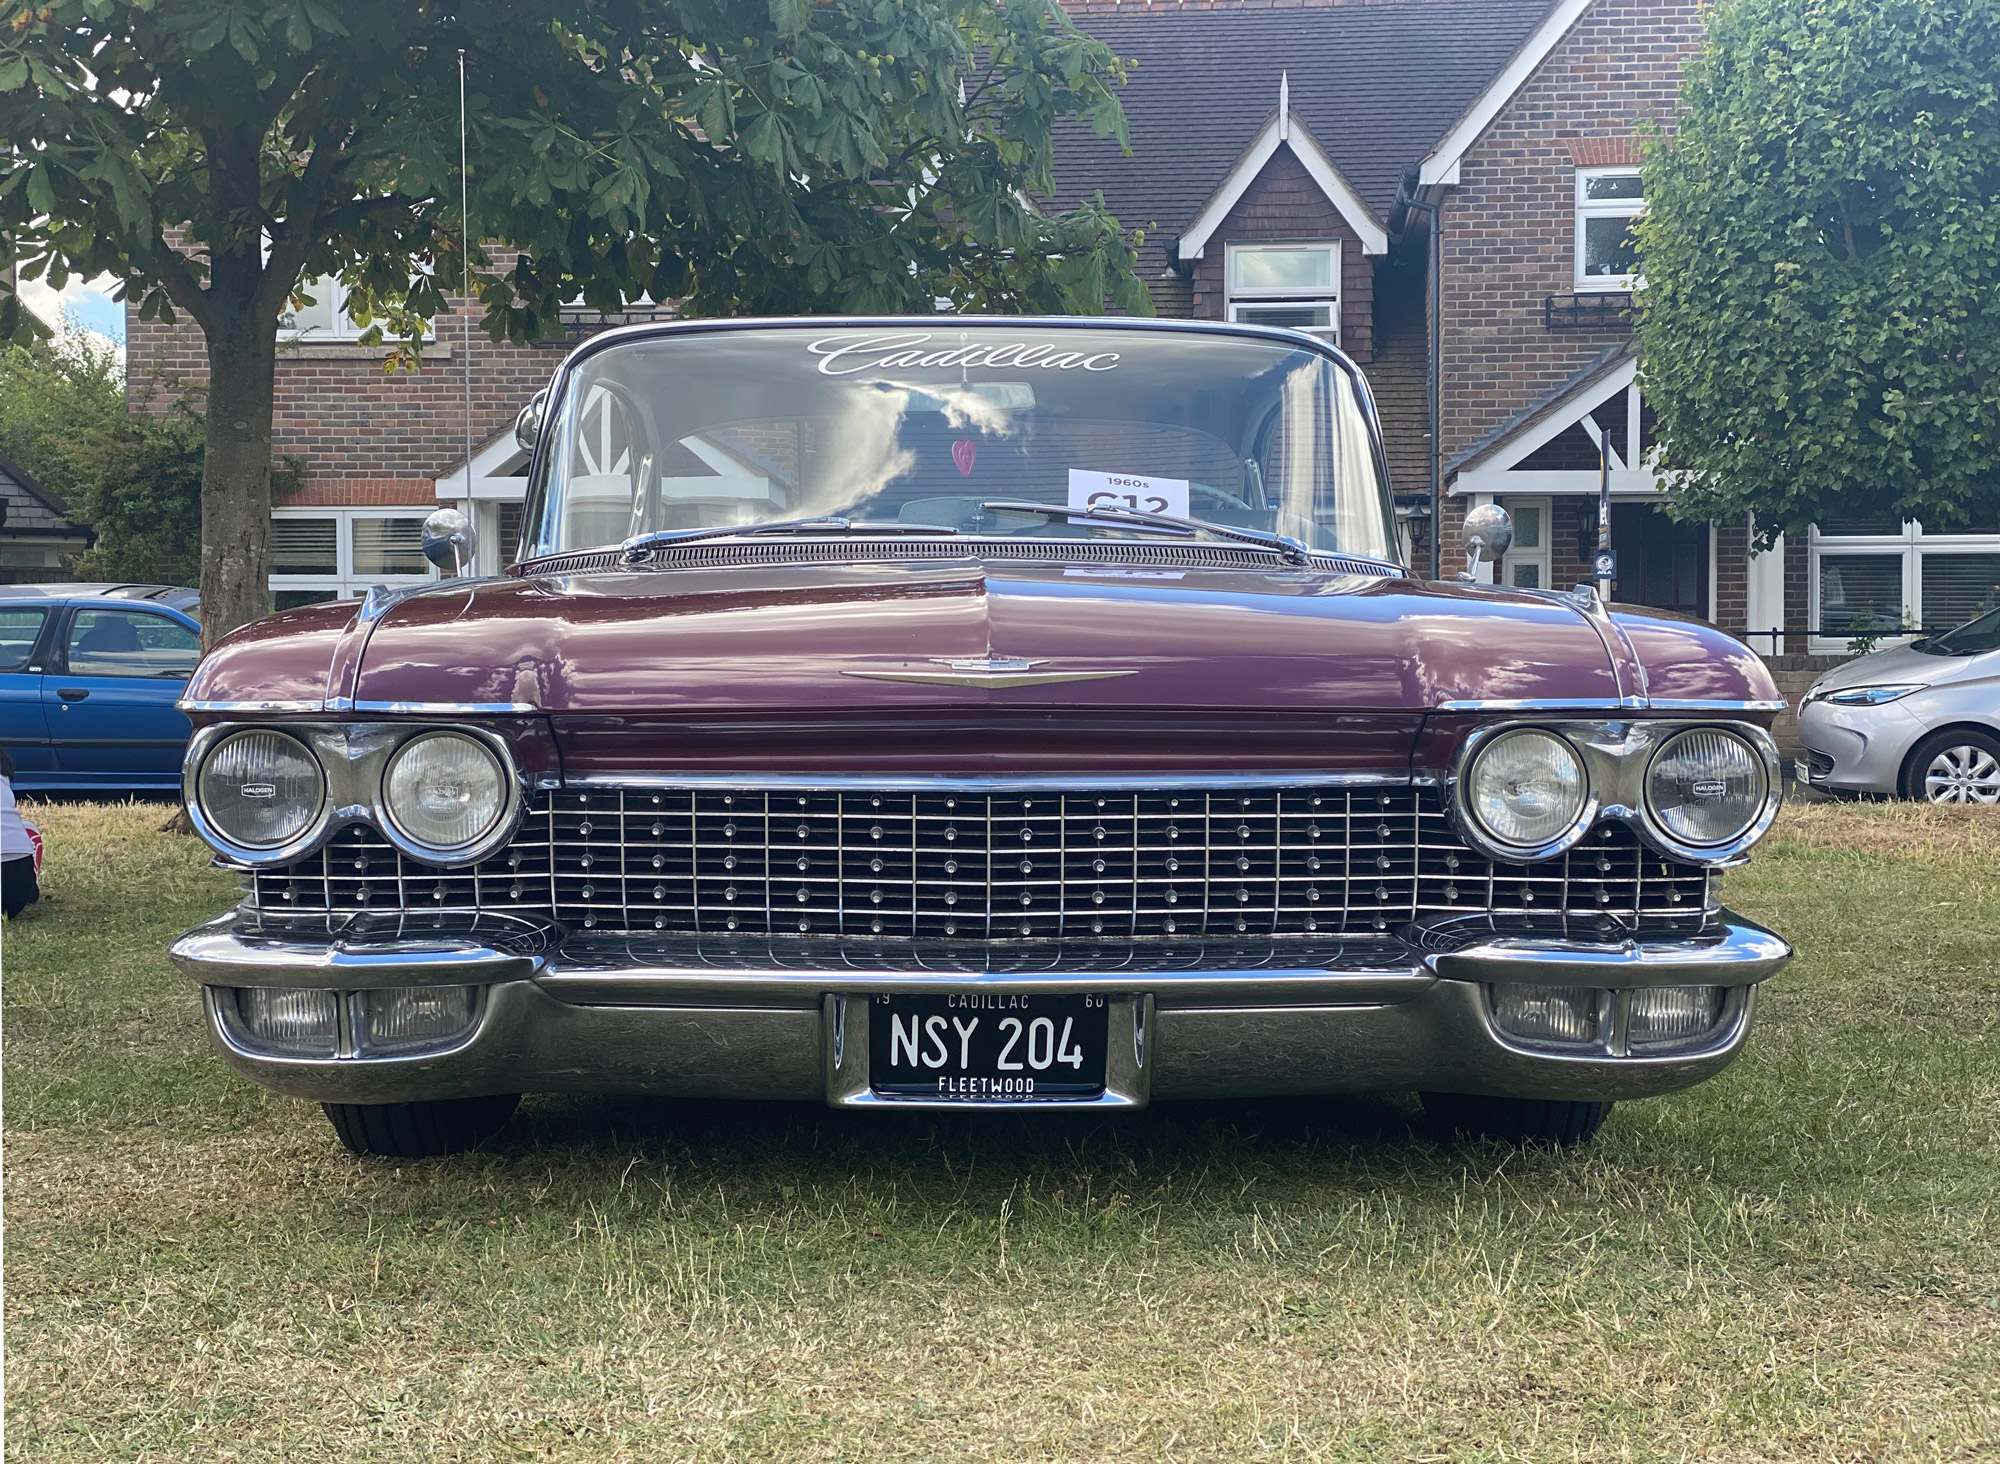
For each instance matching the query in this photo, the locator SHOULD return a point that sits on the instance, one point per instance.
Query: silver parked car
(1914, 721)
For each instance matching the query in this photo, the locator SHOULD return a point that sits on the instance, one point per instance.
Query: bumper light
(1565, 1014)
(1673, 1016)
(290, 1019)
(418, 1016)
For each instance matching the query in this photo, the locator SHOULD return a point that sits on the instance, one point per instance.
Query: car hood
(879, 636)
(1900, 665)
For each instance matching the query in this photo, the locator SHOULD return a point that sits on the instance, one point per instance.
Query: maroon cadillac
(955, 712)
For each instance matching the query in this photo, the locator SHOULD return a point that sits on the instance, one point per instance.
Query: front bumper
(1856, 749)
(774, 1022)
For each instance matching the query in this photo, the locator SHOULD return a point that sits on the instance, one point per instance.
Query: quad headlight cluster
(1527, 791)
(266, 793)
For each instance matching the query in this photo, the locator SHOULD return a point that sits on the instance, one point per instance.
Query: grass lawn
(1799, 1260)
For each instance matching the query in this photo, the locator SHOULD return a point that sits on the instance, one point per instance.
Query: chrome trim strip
(1696, 704)
(1167, 782)
(217, 953)
(992, 680)
(185, 705)
(1536, 704)
(443, 709)
(1742, 952)
(1606, 704)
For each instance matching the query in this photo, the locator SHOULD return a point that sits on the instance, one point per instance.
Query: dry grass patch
(1800, 1260)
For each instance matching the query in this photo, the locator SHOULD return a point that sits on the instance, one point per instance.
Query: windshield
(912, 428)
(1981, 633)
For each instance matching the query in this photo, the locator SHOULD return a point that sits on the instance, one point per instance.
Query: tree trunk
(236, 472)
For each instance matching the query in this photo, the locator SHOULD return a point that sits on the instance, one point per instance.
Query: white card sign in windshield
(849, 355)
(1128, 490)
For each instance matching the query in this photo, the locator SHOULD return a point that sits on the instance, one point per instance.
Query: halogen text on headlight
(1526, 788)
(260, 789)
(1707, 786)
(445, 791)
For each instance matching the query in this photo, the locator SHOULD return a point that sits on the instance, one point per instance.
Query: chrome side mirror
(1489, 529)
(449, 541)
(528, 426)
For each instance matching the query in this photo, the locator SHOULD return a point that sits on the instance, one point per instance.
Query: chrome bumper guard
(781, 1021)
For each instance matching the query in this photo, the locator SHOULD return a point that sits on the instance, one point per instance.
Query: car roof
(174, 597)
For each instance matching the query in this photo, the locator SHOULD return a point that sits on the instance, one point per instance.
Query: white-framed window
(1607, 201)
(337, 553)
(326, 318)
(1292, 285)
(1885, 580)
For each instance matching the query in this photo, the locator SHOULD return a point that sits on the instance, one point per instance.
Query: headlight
(1526, 788)
(260, 789)
(444, 791)
(1706, 786)
(1866, 696)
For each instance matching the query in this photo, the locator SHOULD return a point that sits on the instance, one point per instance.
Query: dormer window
(1292, 285)
(1607, 201)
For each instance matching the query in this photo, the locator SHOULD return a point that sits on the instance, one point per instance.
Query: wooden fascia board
(1440, 166)
(1291, 132)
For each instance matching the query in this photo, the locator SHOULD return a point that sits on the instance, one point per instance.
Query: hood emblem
(992, 672)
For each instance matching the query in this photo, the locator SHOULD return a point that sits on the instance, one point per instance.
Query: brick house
(1442, 187)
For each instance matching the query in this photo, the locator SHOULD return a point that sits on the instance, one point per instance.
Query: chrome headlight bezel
(1474, 830)
(1617, 756)
(1760, 817)
(471, 850)
(204, 747)
(353, 757)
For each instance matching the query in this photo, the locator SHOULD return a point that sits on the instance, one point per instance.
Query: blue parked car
(89, 674)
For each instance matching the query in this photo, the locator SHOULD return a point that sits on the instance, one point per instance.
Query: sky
(88, 300)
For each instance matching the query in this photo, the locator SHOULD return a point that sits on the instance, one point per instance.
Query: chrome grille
(1052, 865)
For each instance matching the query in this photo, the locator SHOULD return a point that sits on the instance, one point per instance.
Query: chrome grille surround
(1062, 864)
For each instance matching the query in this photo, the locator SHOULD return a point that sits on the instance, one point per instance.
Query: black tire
(1551, 1121)
(1964, 740)
(420, 1130)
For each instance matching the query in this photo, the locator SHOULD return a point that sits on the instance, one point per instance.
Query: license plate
(982, 1048)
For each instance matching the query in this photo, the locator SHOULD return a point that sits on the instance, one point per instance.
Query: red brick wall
(365, 436)
(1510, 225)
(1285, 203)
(1509, 228)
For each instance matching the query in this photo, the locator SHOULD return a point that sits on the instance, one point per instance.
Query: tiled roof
(1602, 364)
(30, 510)
(1378, 84)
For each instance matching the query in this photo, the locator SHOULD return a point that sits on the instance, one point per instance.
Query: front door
(112, 716)
(1661, 563)
(24, 730)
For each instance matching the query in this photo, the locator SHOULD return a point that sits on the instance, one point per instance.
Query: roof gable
(1374, 85)
(1285, 129)
(1441, 164)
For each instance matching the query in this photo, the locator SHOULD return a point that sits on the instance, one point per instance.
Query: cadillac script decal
(848, 355)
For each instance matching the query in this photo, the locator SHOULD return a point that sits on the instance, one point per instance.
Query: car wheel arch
(1909, 776)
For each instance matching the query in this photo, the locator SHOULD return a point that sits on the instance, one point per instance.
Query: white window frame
(345, 583)
(342, 329)
(1910, 545)
(1603, 208)
(1239, 295)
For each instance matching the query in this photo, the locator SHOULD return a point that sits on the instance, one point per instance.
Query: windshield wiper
(1293, 551)
(636, 547)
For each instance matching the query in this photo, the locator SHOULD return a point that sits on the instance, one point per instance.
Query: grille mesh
(981, 866)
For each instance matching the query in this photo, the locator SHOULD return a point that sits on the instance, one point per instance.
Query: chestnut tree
(216, 156)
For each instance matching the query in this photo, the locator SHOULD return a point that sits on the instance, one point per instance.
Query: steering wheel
(1220, 496)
